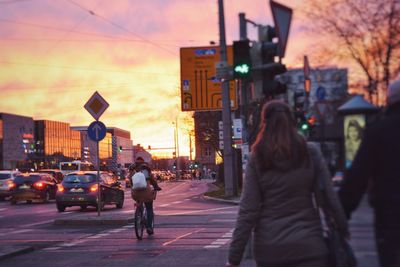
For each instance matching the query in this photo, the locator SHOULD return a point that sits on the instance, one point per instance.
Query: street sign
(200, 87)
(321, 93)
(322, 108)
(282, 19)
(97, 131)
(96, 105)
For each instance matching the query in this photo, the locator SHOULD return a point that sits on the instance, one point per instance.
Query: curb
(12, 251)
(91, 222)
(221, 200)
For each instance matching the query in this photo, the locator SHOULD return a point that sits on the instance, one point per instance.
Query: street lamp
(176, 140)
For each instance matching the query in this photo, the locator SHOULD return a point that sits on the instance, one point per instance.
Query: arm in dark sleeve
(331, 198)
(356, 179)
(249, 209)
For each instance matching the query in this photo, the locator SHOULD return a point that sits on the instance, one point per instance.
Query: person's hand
(228, 264)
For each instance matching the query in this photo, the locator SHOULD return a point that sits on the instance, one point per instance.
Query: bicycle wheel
(139, 228)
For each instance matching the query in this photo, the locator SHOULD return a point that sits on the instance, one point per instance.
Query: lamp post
(176, 140)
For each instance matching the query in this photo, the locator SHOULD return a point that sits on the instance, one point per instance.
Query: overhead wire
(82, 68)
(121, 27)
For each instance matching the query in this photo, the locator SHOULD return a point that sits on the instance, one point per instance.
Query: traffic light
(241, 59)
(265, 68)
(120, 149)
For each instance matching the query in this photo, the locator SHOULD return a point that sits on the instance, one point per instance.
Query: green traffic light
(242, 68)
(304, 126)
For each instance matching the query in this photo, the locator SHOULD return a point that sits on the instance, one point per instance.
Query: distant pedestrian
(376, 168)
(277, 198)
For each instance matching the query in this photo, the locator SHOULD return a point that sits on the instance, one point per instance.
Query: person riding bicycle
(143, 167)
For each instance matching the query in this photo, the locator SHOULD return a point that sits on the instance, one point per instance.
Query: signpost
(96, 105)
(201, 73)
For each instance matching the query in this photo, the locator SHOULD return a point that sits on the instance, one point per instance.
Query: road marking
(177, 202)
(3, 209)
(197, 211)
(34, 224)
(221, 241)
(21, 231)
(182, 236)
(51, 248)
(212, 246)
(164, 205)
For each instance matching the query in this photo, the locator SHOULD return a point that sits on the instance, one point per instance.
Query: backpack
(139, 181)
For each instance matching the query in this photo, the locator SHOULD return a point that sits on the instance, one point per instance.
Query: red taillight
(60, 188)
(11, 185)
(38, 185)
(94, 188)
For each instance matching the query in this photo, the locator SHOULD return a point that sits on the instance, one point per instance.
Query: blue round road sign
(321, 93)
(97, 131)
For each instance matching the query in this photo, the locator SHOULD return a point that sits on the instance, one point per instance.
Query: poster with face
(354, 126)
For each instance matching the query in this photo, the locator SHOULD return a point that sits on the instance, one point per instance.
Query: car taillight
(94, 188)
(11, 185)
(38, 185)
(60, 188)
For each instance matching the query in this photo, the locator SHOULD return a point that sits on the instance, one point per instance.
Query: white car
(6, 178)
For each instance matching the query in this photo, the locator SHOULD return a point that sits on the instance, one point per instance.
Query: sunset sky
(56, 53)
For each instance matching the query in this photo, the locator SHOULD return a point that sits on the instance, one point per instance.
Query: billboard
(354, 126)
(200, 90)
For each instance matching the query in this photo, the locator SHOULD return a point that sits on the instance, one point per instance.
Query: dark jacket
(377, 167)
(278, 205)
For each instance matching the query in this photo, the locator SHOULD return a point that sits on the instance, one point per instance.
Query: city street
(190, 231)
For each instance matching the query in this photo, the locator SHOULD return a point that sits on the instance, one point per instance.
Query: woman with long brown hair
(277, 198)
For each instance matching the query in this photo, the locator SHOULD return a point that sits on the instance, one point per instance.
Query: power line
(13, 1)
(121, 27)
(111, 37)
(82, 68)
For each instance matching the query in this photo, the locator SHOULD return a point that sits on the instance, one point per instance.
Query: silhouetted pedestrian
(376, 167)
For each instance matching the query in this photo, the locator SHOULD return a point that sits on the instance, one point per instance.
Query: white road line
(51, 248)
(212, 246)
(34, 224)
(3, 209)
(182, 236)
(21, 231)
(164, 205)
(177, 202)
(197, 211)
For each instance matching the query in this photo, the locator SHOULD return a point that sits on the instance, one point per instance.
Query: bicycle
(140, 219)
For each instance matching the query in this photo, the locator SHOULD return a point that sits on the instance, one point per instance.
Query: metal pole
(177, 149)
(98, 180)
(230, 183)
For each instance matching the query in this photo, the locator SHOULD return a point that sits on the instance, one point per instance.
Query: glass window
(86, 178)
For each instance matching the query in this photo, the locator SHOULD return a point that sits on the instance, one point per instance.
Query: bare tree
(367, 31)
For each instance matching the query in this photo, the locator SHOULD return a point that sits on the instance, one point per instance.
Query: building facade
(17, 143)
(207, 138)
(56, 142)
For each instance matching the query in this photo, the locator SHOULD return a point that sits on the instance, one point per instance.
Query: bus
(76, 165)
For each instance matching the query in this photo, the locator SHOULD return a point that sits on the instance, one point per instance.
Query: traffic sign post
(202, 75)
(97, 131)
(96, 105)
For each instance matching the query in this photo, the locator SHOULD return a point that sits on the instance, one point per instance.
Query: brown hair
(278, 145)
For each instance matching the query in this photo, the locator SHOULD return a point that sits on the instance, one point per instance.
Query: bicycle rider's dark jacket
(278, 205)
(377, 164)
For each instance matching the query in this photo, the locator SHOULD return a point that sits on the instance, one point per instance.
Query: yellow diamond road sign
(96, 105)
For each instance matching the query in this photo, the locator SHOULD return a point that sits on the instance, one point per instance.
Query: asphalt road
(190, 231)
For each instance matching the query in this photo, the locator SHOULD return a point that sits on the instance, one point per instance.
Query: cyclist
(143, 167)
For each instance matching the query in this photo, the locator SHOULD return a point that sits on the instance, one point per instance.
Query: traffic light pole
(231, 188)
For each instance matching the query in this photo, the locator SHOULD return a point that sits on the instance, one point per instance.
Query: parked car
(81, 189)
(32, 186)
(57, 174)
(6, 179)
